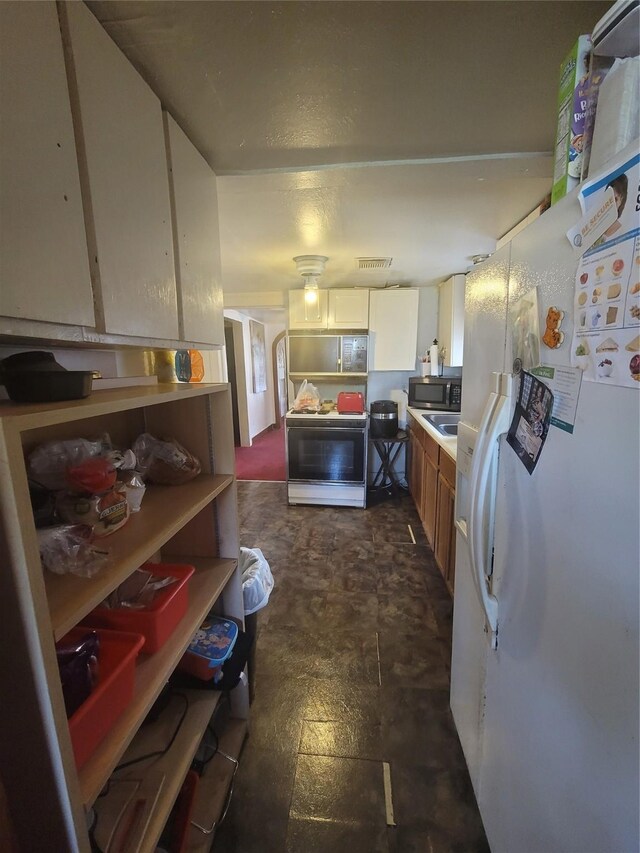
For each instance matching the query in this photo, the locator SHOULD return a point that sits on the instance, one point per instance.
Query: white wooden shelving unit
(194, 523)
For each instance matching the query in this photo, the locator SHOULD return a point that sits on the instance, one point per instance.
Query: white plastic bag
(308, 397)
(257, 580)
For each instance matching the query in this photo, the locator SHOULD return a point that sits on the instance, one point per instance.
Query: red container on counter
(157, 622)
(350, 402)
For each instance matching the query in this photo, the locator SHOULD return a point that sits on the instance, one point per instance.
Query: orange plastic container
(157, 622)
(111, 695)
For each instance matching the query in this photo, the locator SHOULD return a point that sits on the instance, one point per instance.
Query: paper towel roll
(400, 397)
(433, 354)
(617, 120)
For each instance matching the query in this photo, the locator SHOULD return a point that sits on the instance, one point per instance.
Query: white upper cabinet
(348, 309)
(44, 267)
(393, 329)
(196, 239)
(342, 308)
(308, 313)
(451, 320)
(124, 161)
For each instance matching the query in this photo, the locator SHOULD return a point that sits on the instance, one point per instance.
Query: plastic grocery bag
(48, 463)
(257, 580)
(67, 548)
(308, 397)
(164, 461)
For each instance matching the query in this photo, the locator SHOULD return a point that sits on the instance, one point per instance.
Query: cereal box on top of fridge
(572, 107)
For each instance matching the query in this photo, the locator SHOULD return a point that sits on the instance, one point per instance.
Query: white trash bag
(257, 580)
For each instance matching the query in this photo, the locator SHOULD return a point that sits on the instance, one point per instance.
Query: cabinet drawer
(448, 468)
(431, 447)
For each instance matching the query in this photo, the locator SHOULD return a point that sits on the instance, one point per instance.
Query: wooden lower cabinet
(432, 484)
(430, 500)
(445, 525)
(416, 463)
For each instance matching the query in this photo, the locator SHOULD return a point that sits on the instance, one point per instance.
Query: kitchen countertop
(449, 443)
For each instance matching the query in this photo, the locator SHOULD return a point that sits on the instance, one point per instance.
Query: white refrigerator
(547, 711)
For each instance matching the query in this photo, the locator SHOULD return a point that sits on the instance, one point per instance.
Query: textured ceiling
(285, 88)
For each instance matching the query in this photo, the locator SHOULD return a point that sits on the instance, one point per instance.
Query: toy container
(209, 649)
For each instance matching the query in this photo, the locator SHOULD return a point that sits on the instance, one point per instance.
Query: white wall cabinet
(348, 309)
(196, 239)
(451, 319)
(194, 523)
(393, 329)
(127, 186)
(44, 265)
(342, 308)
(305, 314)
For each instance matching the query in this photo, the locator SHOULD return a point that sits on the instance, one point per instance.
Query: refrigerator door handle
(481, 456)
(495, 422)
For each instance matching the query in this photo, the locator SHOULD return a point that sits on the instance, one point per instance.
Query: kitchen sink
(448, 429)
(445, 424)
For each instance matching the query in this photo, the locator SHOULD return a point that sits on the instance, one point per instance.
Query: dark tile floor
(352, 669)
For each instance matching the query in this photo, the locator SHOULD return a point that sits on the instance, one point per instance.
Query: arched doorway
(279, 362)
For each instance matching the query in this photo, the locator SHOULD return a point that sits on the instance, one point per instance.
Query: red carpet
(265, 459)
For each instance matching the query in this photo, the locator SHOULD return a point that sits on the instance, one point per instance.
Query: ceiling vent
(373, 263)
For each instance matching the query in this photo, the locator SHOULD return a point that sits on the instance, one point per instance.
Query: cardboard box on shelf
(572, 107)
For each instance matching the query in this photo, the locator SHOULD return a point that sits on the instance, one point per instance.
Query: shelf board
(167, 772)
(165, 510)
(152, 672)
(214, 784)
(24, 416)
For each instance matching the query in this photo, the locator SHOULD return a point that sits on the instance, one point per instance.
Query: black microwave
(442, 393)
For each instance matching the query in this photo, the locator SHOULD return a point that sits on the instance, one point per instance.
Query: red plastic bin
(157, 622)
(111, 695)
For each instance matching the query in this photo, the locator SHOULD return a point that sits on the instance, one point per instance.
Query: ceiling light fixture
(310, 268)
(310, 292)
(478, 259)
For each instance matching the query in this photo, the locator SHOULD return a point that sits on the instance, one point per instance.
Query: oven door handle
(328, 428)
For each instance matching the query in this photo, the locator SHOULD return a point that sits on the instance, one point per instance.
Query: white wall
(260, 407)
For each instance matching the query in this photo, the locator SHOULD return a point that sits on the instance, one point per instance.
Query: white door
(195, 206)
(308, 309)
(486, 294)
(393, 329)
(126, 169)
(559, 755)
(44, 264)
(348, 309)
